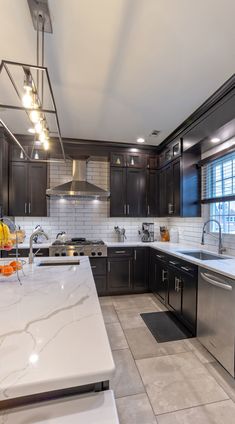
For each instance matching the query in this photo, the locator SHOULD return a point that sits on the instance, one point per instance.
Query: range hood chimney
(78, 187)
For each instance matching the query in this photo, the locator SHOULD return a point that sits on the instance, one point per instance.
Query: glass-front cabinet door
(118, 159)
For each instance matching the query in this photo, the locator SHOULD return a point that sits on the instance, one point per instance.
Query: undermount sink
(203, 256)
(59, 263)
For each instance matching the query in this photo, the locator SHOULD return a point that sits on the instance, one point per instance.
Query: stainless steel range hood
(78, 187)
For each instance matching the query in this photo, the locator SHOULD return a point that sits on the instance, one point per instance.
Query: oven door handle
(208, 279)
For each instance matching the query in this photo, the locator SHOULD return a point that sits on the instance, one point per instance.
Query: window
(218, 189)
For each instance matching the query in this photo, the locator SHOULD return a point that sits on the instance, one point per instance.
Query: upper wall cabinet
(171, 152)
(130, 160)
(27, 189)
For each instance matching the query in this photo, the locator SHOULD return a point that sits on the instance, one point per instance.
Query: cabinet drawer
(120, 251)
(24, 253)
(98, 266)
(159, 255)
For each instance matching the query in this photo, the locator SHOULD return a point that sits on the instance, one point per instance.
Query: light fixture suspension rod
(37, 52)
(42, 59)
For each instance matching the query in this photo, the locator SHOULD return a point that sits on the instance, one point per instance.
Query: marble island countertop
(222, 266)
(52, 333)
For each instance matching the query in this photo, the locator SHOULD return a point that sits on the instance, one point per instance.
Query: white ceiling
(122, 68)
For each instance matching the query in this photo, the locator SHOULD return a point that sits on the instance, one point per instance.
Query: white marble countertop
(52, 333)
(222, 266)
(92, 408)
(25, 245)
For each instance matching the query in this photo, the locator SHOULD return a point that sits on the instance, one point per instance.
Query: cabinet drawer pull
(38, 254)
(160, 256)
(185, 268)
(93, 266)
(120, 251)
(164, 275)
(170, 208)
(173, 263)
(11, 254)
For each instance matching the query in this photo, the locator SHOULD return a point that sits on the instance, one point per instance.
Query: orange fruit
(1, 267)
(7, 270)
(16, 265)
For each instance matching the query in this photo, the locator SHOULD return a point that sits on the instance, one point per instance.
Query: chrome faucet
(221, 249)
(37, 232)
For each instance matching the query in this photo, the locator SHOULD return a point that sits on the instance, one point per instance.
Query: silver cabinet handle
(185, 268)
(120, 251)
(125, 209)
(215, 283)
(29, 207)
(148, 212)
(109, 267)
(93, 266)
(25, 208)
(173, 263)
(170, 208)
(177, 284)
(160, 256)
(128, 209)
(135, 254)
(164, 275)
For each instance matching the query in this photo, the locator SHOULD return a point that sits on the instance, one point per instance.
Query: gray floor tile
(226, 381)
(144, 345)
(214, 413)
(201, 353)
(134, 301)
(116, 336)
(130, 318)
(178, 381)
(126, 380)
(105, 300)
(135, 410)
(109, 314)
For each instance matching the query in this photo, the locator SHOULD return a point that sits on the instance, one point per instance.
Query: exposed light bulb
(46, 144)
(38, 127)
(31, 130)
(215, 140)
(34, 116)
(27, 100)
(36, 156)
(21, 155)
(42, 137)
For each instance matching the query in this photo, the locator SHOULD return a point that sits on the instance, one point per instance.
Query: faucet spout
(221, 249)
(37, 232)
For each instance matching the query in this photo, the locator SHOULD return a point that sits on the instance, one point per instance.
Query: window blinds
(218, 179)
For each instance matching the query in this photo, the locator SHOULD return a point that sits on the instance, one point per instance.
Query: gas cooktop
(78, 247)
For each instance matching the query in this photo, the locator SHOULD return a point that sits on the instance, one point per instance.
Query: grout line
(192, 407)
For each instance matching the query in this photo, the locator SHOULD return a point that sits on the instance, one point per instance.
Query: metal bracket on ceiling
(40, 8)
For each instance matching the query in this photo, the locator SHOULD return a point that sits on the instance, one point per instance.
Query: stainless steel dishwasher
(216, 316)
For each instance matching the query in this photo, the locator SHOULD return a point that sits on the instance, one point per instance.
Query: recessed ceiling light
(140, 140)
(215, 140)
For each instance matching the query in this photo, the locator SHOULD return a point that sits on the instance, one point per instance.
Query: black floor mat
(165, 327)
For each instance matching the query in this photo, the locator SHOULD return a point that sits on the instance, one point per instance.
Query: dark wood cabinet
(99, 270)
(140, 269)
(127, 192)
(136, 192)
(127, 270)
(170, 189)
(27, 189)
(120, 274)
(152, 193)
(174, 282)
(24, 253)
(132, 160)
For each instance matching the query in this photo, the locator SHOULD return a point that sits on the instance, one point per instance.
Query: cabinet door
(169, 184)
(162, 193)
(118, 192)
(140, 272)
(118, 159)
(3, 175)
(136, 192)
(176, 187)
(189, 301)
(18, 193)
(120, 274)
(37, 185)
(175, 292)
(161, 280)
(136, 160)
(152, 193)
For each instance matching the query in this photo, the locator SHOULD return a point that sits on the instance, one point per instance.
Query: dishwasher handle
(208, 279)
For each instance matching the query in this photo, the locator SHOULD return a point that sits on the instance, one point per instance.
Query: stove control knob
(99, 253)
(63, 254)
(57, 254)
(93, 253)
(75, 253)
(81, 253)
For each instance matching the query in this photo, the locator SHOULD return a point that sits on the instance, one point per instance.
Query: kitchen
(117, 197)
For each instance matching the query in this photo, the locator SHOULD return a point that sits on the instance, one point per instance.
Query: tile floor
(162, 383)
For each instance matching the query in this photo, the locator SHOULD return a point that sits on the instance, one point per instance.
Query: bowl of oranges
(6, 270)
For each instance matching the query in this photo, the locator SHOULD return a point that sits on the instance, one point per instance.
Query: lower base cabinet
(99, 270)
(175, 284)
(24, 253)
